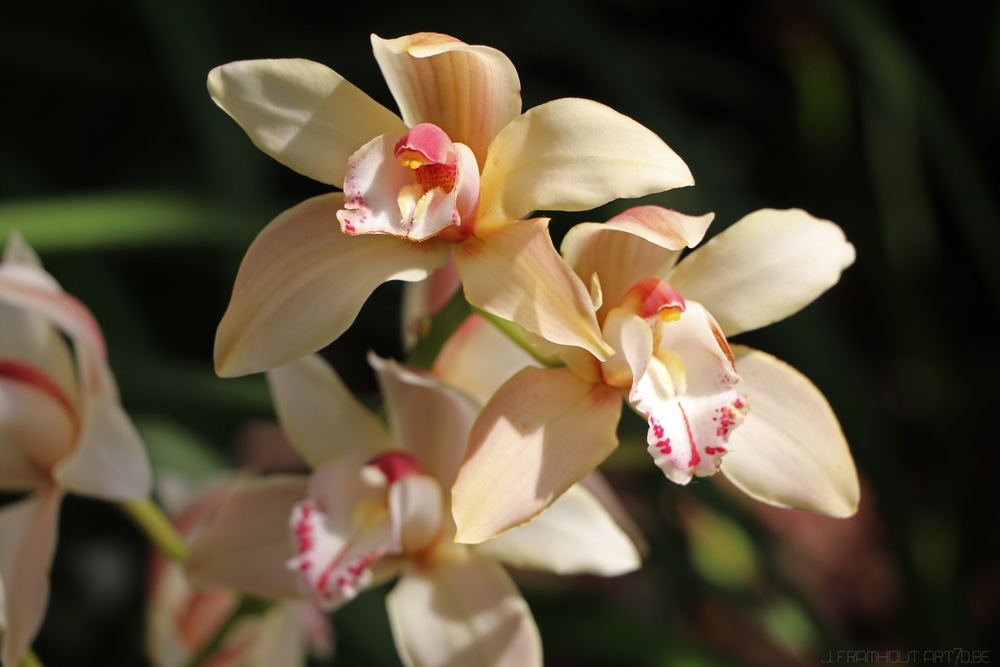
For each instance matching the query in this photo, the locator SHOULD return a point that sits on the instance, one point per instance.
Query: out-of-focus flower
(62, 428)
(182, 620)
(546, 428)
(453, 177)
(377, 507)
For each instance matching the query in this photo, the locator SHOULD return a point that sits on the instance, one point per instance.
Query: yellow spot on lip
(670, 314)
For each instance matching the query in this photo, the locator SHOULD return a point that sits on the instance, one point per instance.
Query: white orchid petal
(416, 506)
(35, 415)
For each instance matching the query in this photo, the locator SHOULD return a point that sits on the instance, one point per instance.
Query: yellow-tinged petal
(301, 113)
(575, 535)
(429, 419)
(790, 451)
(541, 433)
(303, 282)
(27, 541)
(643, 242)
(320, 415)
(470, 92)
(462, 611)
(573, 155)
(765, 267)
(516, 273)
(246, 543)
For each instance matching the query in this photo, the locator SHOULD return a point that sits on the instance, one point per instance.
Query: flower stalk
(154, 523)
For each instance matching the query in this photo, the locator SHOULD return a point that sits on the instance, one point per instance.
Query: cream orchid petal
(281, 638)
(790, 451)
(422, 300)
(765, 267)
(320, 415)
(470, 92)
(573, 155)
(36, 416)
(575, 535)
(109, 460)
(688, 393)
(477, 358)
(541, 433)
(515, 273)
(303, 282)
(462, 611)
(18, 471)
(431, 420)
(642, 242)
(341, 529)
(28, 532)
(416, 507)
(301, 113)
(246, 545)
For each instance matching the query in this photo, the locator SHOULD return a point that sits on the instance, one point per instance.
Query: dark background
(142, 197)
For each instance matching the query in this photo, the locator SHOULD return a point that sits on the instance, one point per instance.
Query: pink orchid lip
(396, 465)
(426, 143)
(652, 296)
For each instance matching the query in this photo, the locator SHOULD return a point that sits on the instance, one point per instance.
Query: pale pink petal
(574, 535)
(470, 92)
(320, 415)
(416, 507)
(341, 530)
(35, 416)
(18, 472)
(790, 451)
(573, 155)
(642, 242)
(17, 251)
(464, 611)
(763, 268)
(477, 358)
(28, 531)
(515, 273)
(601, 489)
(301, 113)
(425, 299)
(542, 432)
(303, 282)
(109, 460)
(429, 419)
(688, 393)
(246, 544)
(280, 638)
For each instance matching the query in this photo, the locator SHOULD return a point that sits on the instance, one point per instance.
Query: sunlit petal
(516, 273)
(763, 268)
(320, 415)
(573, 155)
(468, 91)
(542, 432)
(303, 282)
(790, 451)
(301, 113)
(462, 611)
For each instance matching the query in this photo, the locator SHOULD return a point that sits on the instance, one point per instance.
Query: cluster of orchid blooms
(490, 456)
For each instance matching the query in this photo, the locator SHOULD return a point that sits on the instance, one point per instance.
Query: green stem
(151, 519)
(29, 659)
(516, 334)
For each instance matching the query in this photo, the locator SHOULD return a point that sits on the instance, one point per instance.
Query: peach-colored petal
(301, 113)
(422, 300)
(765, 267)
(642, 242)
(572, 155)
(320, 415)
(416, 505)
(35, 415)
(790, 451)
(429, 419)
(542, 432)
(462, 611)
(28, 531)
(109, 460)
(18, 472)
(477, 358)
(516, 273)
(574, 535)
(246, 544)
(303, 282)
(470, 92)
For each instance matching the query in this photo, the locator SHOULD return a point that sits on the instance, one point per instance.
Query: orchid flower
(455, 176)
(767, 426)
(377, 507)
(62, 429)
(182, 621)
